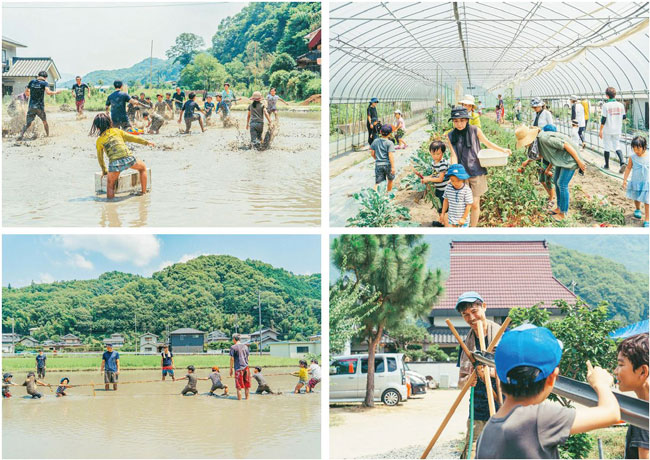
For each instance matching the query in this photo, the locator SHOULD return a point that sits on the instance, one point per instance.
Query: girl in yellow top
(302, 374)
(112, 141)
(470, 105)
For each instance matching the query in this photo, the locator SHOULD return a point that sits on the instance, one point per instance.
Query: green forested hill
(162, 70)
(598, 279)
(206, 293)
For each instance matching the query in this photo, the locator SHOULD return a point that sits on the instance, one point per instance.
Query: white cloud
(137, 249)
(164, 264)
(184, 258)
(80, 261)
(45, 278)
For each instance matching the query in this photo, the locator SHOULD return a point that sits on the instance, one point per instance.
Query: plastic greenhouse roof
(404, 51)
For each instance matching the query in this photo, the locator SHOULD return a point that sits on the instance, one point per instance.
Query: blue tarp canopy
(629, 331)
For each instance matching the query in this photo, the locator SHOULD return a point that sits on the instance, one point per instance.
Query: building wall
(187, 343)
(294, 350)
(8, 53)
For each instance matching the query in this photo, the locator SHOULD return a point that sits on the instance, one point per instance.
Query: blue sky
(47, 258)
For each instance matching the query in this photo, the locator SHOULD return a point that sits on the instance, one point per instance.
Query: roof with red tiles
(506, 274)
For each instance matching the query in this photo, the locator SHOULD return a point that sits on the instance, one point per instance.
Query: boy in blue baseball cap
(527, 360)
(382, 150)
(458, 198)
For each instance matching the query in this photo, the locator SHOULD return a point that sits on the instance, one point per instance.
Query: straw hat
(257, 96)
(469, 100)
(525, 135)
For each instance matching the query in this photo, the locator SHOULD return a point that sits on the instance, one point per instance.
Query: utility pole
(135, 316)
(151, 66)
(13, 336)
(259, 310)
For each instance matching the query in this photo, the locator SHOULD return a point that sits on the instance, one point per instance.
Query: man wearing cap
(464, 143)
(526, 426)
(38, 88)
(577, 121)
(110, 367)
(372, 122)
(470, 105)
(472, 308)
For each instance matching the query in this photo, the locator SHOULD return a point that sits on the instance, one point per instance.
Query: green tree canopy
(187, 45)
(204, 72)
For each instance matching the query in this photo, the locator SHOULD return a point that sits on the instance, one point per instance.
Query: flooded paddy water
(198, 179)
(152, 420)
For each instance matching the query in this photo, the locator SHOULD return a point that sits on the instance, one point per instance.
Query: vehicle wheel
(390, 397)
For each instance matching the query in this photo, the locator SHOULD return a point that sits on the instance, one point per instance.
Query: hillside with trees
(599, 279)
(137, 75)
(206, 293)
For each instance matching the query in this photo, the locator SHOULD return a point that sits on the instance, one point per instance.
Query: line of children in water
(309, 377)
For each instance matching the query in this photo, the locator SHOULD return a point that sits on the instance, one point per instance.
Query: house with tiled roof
(17, 72)
(506, 274)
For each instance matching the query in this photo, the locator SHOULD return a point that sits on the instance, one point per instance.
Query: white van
(348, 376)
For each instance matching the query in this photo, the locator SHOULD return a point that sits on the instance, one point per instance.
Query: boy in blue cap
(458, 198)
(472, 309)
(382, 150)
(526, 427)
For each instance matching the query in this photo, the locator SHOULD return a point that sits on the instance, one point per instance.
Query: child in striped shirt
(458, 198)
(440, 167)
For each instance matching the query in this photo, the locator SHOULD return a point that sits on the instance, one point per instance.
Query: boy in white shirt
(611, 125)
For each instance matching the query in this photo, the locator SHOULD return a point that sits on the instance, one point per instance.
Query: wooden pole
(466, 387)
(486, 370)
(93, 385)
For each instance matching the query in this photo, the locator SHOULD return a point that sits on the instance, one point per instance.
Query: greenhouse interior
(422, 57)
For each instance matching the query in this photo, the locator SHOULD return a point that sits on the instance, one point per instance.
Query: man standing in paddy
(79, 92)
(110, 367)
(116, 102)
(239, 361)
(471, 307)
(38, 88)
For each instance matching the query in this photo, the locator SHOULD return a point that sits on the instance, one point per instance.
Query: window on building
(302, 349)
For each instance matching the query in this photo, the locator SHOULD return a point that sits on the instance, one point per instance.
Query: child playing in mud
(6, 383)
(38, 88)
(440, 167)
(60, 390)
(30, 384)
(179, 98)
(272, 103)
(112, 141)
(526, 426)
(160, 107)
(116, 102)
(314, 371)
(262, 386)
(170, 104)
(458, 198)
(382, 150)
(191, 382)
(217, 384)
(228, 98)
(632, 375)
(208, 106)
(153, 121)
(188, 111)
(255, 119)
(637, 188)
(302, 375)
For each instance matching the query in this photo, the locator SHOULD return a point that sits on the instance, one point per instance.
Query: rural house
(17, 72)
(187, 340)
(70, 340)
(268, 336)
(29, 342)
(297, 349)
(117, 340)
(217, 336)
(148, 343)
(8, 342)
(311, 60)
(506, 274)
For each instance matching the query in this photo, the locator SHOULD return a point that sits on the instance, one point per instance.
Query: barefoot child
(637, 188)
(255, 119)
(112, 141)
(30, 384)
(525, 426)
(38, 88)
(314, 371)
(302, 375)
(154, 121)
(399, 128)
(188, 110)
(382, 150)
(217, 384)
(632, 375)
(262, 386)
(440, 167)
(458, 198)
(170, 103)
(160, 107)
(191, 382)
(208, 106)
(6, 383)
(272, 103)
(60, 390)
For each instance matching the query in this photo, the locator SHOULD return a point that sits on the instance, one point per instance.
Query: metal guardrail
(633, 410)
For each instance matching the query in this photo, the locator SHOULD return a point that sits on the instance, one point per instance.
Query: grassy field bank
(93, 362)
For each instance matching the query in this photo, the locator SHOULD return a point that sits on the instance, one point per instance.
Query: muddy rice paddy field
(152, 420)
(197, 179)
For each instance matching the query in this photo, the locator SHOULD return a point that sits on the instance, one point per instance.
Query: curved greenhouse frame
(410, 55)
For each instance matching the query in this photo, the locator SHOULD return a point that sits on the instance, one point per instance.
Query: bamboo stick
(486, 370)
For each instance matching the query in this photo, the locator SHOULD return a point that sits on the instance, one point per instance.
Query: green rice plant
(377, 209)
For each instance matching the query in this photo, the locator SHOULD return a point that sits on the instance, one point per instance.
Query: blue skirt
(121, 164)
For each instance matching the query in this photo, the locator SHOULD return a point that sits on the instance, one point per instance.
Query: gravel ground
(447, 449)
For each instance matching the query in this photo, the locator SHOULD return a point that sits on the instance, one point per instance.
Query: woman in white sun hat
(468, 102)
(255, 119)
(399, 129)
